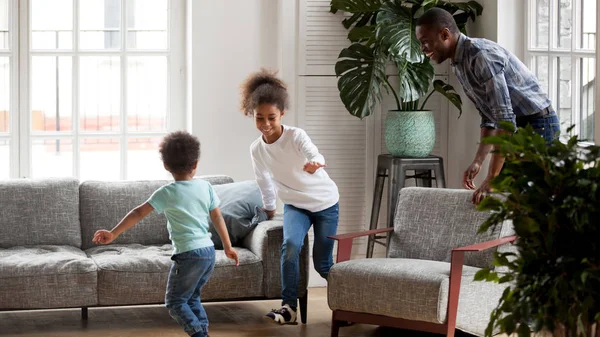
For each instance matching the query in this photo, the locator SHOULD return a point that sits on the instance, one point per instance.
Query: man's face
(435, 44)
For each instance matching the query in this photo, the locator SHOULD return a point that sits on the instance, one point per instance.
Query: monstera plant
(383, 34)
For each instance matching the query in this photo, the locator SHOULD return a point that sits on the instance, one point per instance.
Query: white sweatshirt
(278, 168)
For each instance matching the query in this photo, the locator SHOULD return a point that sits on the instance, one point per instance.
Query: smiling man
(499, 84)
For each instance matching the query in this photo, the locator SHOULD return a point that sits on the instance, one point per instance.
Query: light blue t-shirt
(187, 205)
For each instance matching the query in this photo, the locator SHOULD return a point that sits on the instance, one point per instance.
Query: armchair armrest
(456, 267)
(345, 242)
(478, 247)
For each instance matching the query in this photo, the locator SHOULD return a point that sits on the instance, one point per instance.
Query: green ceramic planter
(410, 133)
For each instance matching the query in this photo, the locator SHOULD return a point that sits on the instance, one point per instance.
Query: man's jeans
(189, 273)
(296, 223)
(547, 126)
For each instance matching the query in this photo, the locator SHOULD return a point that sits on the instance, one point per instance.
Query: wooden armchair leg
(335, 326)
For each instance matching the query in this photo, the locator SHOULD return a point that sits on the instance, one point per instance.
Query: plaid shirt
(499, 84)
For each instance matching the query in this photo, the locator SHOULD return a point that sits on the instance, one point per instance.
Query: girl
(287, 164)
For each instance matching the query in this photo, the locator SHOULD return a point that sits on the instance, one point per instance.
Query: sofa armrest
(456, 267)
(265, 241)
(345, 241)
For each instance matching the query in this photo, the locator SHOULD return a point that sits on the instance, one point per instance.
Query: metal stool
(397, 167)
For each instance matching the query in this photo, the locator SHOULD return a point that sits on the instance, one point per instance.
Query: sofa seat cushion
(411, 289)
(46, 277)
(137, 274)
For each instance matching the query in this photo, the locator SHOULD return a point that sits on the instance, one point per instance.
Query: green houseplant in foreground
(552, 195)
(382, 32)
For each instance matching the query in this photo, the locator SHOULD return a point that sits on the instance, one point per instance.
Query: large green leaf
(362, 73)
(462, 11)
(415, 79)
(363, 12)
(361, 34)
(448, 91)
(396, 32)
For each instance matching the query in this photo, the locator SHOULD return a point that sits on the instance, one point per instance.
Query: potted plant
(552, 195)
(383, 32)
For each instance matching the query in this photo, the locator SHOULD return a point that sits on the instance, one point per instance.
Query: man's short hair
(439, 19)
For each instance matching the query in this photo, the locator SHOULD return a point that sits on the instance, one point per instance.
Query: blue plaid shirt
(499, 84)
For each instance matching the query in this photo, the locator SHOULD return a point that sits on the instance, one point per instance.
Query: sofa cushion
(430, 222)
(39, 212)
(241, 207)
(46, 277)
(104, 204)
(137, 274)
(411, 289)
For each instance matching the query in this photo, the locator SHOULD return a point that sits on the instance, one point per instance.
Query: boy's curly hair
(180, 151)
(263, 87)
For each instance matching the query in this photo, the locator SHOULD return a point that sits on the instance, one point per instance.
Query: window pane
(51, 24)
(99, 94)
(100, 150)
(565, 24)
(4, 25)
(51, 158)
(147, 24)
(541, 16)
(587, 71)
(100, 24)
(4, 94)
(143, 160)
(4, 159)
(588, 24)
(147, 93)
(51, 96)
(540, 69)
(563, 105)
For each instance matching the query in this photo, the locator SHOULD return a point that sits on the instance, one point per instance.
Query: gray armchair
(426, 281)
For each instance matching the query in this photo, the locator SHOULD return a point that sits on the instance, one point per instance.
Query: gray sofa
(47, 258)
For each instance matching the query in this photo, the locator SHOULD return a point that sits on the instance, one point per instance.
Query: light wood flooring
(229, 319)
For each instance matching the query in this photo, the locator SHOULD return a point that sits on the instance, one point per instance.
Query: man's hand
(232, 254)
(103, 237)
(312, 167)
(482, 192)
(470, 174)
(270, 214)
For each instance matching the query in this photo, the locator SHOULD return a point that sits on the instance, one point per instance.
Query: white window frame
(574, 53)
(22, 135)
(13, 106)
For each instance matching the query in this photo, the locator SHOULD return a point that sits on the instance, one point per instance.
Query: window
(98, 82)
(562, 51)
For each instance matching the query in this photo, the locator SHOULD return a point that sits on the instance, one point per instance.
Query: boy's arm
(130, 220)
(219, 223)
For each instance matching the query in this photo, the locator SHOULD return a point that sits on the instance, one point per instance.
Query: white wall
(227, 40)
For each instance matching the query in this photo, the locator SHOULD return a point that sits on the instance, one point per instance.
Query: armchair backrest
(430, 222)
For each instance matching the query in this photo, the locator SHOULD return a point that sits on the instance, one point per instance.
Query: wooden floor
(240, 319)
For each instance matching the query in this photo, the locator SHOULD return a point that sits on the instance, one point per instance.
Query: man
(498, 83)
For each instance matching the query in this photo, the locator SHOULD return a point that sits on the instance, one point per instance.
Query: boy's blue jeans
(296, 223)
(189, 273)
